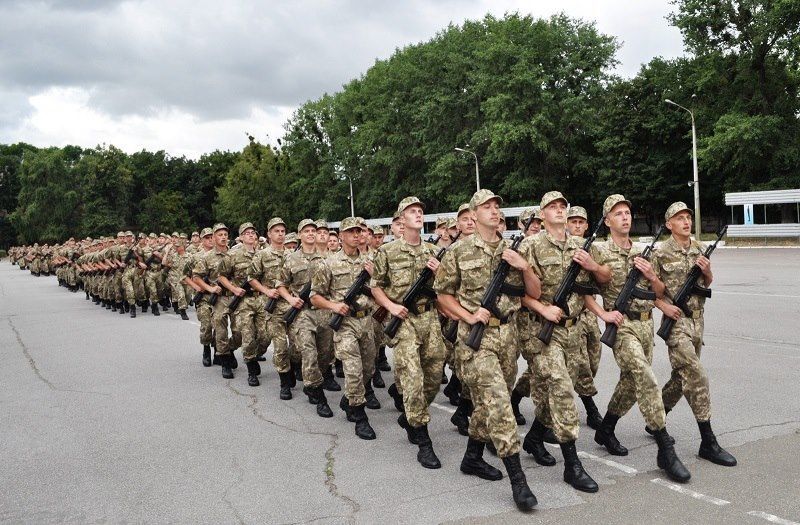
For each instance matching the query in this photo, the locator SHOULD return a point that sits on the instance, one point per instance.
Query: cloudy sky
(193, 76)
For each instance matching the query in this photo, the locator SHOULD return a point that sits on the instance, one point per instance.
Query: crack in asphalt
(226, 494)
(330, 459)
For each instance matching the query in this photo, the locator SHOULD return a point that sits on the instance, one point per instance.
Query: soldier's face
(221, 238)
(249, 237)
(577, 226)
(413, 217)
(277, 234)
(619, 218)
(308, 235)
(466, 223)
(488, 214)
(398, 227)
(377, 240)
(322, 236)
(208, 242)
(333, 243)
(555, 213)
(351, 238)
(534, 228)
(195, 239)
(680, 224)
(501, 227)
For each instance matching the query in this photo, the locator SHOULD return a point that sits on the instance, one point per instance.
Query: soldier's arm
(379, 280)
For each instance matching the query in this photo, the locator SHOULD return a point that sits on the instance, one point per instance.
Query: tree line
(535, 99)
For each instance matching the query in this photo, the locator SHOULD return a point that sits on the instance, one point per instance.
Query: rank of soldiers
(329, 303)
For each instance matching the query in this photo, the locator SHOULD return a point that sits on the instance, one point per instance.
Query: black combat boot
(252, 373)
(605, 436)
(113, 306)
(328, 381)
(337, 364)
(453, 390)
(313, 396)
(573, 469)
(144, 305)
(344, 405)
(165, 304)
(127, 307)
(234, 361)
(653, 432)
(516, 397)
(461, 416)
(87, 296)
(133, 310)
(534, 446)
(227, 369)
(292, 378)
(710, 449)
(363, 428)
(523, 497)
(206, 355)
(593, 417)
(183, 314)
(286, 385)
(426, 456)
(154, 309)
(298, 371)
(377, 379)
(667, 460)
(372, 401)
(403, 422)
(107, 304)
(323, 410)
(175, 307)
(121, 307)
(474, 465)
(397, 397)
(383, 363)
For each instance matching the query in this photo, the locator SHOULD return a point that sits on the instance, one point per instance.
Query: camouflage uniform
(266, 267)
(196, 268)
(489, 372)
(418, 346)
(354, 342)
(249, 318)
(672, 264)
(208, 266)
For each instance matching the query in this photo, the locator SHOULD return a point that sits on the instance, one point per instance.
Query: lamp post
(477, 173)
(696, 181)
(352, 201)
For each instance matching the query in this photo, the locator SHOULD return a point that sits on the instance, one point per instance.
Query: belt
(696, 314)
(495, 322)
(422, 308)
(360, 314)
(566, 322)
(639, 316)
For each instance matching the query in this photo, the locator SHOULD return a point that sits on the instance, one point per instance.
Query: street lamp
(696, 182)
(477, 173)
(352, 201)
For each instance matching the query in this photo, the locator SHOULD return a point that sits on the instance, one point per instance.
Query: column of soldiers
(326, 303)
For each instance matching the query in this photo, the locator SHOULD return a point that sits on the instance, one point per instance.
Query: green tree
(164, 211)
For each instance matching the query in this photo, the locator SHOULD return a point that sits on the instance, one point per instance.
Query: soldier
(585, 359)
(263, 275)
(353, 342)
(672, 262)
(202, 306)
(175, 262)
(465, 220)
(333, 241)
(376, 236)
(501, 226)
(131, 261)
(550, 254)
(290, 242)
(633, 348)
(418, 347)
(323, 235)
(310, 330)
(490, 371)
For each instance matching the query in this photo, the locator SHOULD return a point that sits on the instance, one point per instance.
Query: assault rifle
(689, 288)
(234, 304)
(199, 295)
(567, 287)
(291, 315)
(629, 292)
(356, 289)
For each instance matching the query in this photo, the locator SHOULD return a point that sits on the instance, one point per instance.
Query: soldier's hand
(398, 310)
(481, 316)
(433, 264)
(369, 266)
(704, 263)
(216, 289)
(238, 292)
(613, 317)
(583, 258)
(515, 259)
(273, 293)
(297, 303)
(672, 311)
(341, 308)
(553, 313)
(644, 266)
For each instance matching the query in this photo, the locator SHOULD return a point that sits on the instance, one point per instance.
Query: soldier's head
(398, 226)
(351, 233)
(679, 220)
(412, 211)
(333, 241)
(501, 226)
(276, 232)
(195, 238)
(441, 227)
(554, 209)
(221, 236)
(617, 214)
(452, 228)
(465, 220)
(535, 225)
(290, 242)
(577, 220)
(486, 207)
(322, 234)
(376, 240)
(307, 231)
(207, 238)
(248, 234)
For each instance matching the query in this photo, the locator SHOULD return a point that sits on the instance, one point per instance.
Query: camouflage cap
(219, 226)
(441, 221)
(481, 197)
(675, 208)
(142, 235)
(377, 230)
(163, 235)
(552, 196)
(245, 226)
(525, 215)
(451, 223)
(290, 237)
(408, 201)
(275, 221)
(176, 234)
(153, 236)
(183, 236)
(502, 217)
(205, 232)
(577, 211)
(613, 200)
(362, 222)
(120, 234)
(321, 224)
(461, 209)
(195, 233)
(304, 223)
(348, 223)
(127, 234)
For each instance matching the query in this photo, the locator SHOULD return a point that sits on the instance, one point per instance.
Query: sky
(190, 77)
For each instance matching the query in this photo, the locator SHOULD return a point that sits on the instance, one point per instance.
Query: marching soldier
(202, 306)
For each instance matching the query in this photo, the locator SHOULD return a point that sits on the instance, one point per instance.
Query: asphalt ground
(107, 419)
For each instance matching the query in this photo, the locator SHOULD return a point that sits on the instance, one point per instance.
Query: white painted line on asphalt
(443, 407)
(695, 495)
(772, 518)
(619, 466)
(758, 294)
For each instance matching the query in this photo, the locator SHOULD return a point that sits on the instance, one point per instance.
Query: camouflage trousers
(527, 328)
(314, 340)
(633, 351)
(418, 362)
(354, 345)
(128, 284)
(205, 316)
(151, 278)
(276, 331)
(590, 340)
(251, 321)
(179, 292)
(490, 373)
(220, 318)
(688, 377)
(552, 384)
(578, 361)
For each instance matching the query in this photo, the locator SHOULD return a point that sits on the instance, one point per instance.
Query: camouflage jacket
(207, 265)
(397, 266)
(298, 269)
(672, 263)
(620, 261)
(236, 265)
(334, 277)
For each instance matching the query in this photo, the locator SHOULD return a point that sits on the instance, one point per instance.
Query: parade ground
(107, 419)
